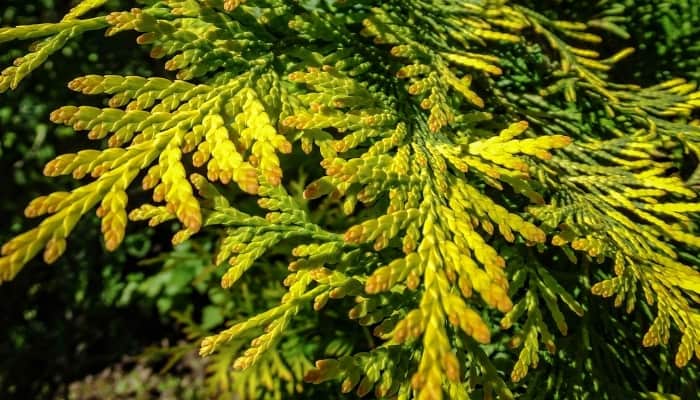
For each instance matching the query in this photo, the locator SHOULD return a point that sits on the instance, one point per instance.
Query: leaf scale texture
(480, 181)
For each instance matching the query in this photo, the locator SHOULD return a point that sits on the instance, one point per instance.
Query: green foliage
(71, 321)
(665, 31)
(482, 178)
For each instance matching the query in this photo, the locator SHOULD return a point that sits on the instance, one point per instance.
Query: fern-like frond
(467, 144)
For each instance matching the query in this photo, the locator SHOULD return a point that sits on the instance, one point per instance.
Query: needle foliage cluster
(408, 199)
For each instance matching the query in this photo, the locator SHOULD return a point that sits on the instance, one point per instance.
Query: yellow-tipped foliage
(476, 174)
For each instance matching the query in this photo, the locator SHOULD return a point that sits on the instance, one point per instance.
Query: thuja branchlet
(469, 149)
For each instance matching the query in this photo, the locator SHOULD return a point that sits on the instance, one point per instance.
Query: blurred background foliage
(64, 329)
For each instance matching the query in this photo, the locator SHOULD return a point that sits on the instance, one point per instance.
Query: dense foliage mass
(483, 181)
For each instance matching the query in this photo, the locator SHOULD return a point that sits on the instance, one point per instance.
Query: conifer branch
(468, 146)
